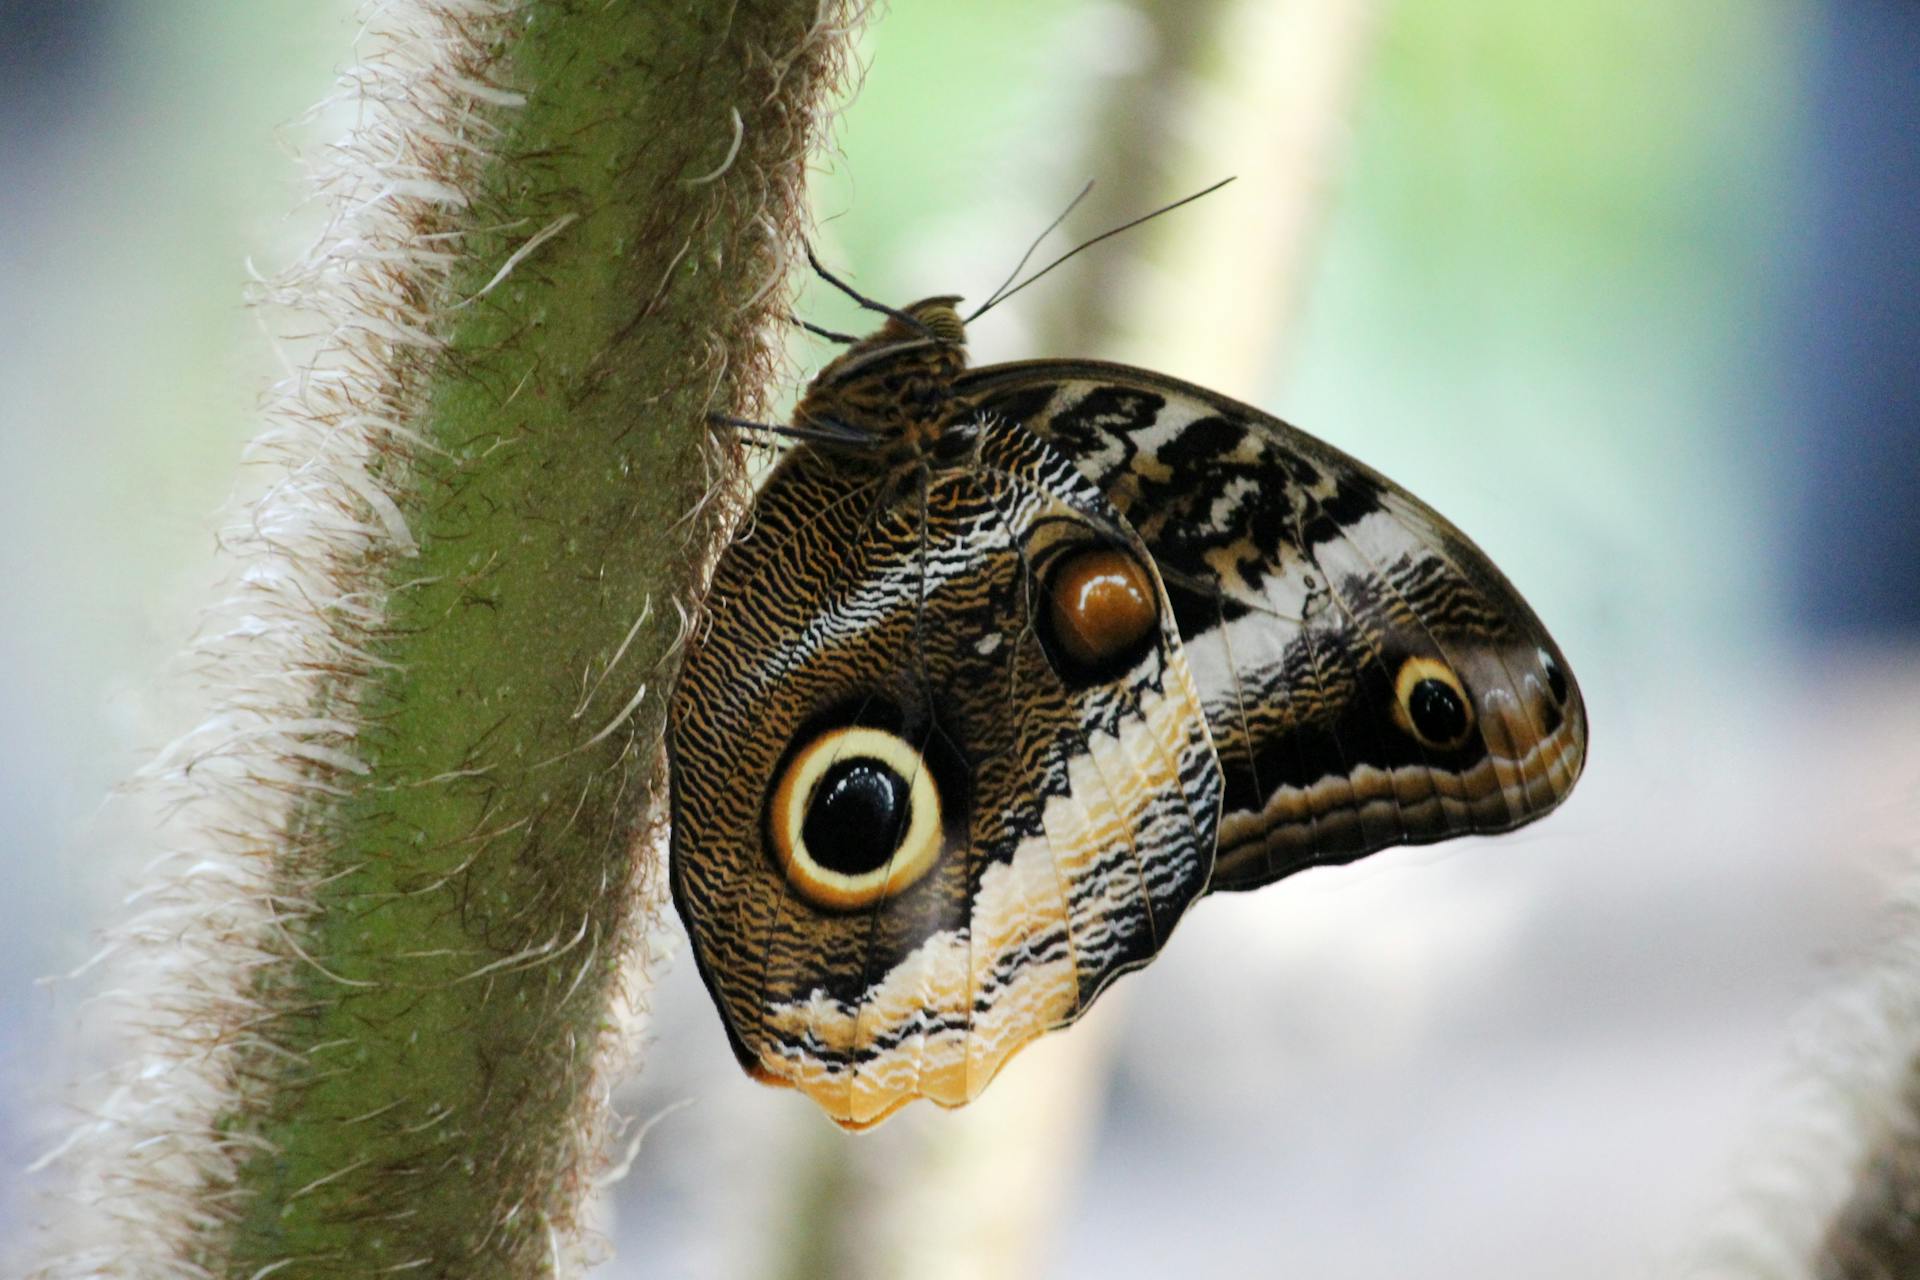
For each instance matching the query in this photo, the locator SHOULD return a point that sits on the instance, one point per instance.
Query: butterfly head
(897, 382)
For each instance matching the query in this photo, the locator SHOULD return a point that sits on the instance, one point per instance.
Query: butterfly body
(1009, 666)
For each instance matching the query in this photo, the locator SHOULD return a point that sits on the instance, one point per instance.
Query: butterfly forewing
(1369, 677)
(1077, 800)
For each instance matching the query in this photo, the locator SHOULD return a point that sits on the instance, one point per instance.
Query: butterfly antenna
(831, 335)
(1006, 293)
(1033, 248)
(863, 299)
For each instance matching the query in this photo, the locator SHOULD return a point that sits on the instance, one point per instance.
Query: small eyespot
(1103, 612)
(855, 818)
(1556, 678)
(1430, 704)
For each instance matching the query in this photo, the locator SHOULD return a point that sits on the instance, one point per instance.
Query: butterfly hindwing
(922, 815)
(1370, 678)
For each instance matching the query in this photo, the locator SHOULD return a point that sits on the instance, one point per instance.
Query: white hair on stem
(1826, 1183)
(146, 1169)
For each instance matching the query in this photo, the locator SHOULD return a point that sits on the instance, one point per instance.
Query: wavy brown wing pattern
(1369, 677)
(911, 831)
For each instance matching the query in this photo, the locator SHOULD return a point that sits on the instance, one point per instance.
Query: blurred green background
(1618, 288)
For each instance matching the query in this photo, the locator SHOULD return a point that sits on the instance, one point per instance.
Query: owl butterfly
(1009, 665)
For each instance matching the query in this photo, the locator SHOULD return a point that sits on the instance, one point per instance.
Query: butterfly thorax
(896, 386)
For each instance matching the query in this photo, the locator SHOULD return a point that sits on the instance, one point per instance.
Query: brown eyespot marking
(1430, 704)
(1103, 609)
(855, 818)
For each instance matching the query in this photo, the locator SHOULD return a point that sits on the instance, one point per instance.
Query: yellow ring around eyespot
(1412, 672)
(787, 818)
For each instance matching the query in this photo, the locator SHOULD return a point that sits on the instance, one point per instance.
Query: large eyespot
(1102, 612)
(1430, 704)
(855, 818)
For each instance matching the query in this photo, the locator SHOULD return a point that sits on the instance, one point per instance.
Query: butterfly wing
(915, 823)
(1369, 677)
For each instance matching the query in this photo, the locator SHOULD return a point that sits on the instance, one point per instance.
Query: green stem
(473, 890)
(568, 227)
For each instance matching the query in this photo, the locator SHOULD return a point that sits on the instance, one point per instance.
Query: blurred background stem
(1876, 1232)
(1260, 92)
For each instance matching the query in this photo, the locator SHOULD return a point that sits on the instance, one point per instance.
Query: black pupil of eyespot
(1437, 711)
(857, 816)
(1556, 681)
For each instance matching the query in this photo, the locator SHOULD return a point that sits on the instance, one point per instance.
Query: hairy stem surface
(391, 963)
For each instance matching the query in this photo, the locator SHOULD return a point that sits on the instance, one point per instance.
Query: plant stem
(427, 798)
